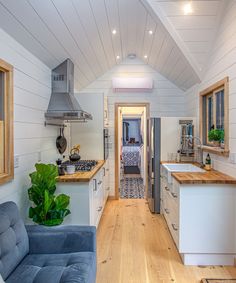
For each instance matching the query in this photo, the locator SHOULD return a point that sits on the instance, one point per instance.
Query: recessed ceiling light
(145, 56)
(117, 57)
(188, 9)
(114, 31)
(150, 32)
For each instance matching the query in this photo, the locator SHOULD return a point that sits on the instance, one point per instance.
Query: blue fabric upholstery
(14, 244)
(56, 268)
(38, 254)
(61, 239)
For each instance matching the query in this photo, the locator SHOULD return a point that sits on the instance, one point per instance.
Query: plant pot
(216, 143)
(222, 145)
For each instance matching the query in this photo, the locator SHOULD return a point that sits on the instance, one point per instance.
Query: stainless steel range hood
(63, 105)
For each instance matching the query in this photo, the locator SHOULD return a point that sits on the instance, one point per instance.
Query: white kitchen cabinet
(90, 135)
(87, 199)
(202, 221)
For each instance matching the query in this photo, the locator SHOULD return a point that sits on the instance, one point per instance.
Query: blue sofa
(38, 254)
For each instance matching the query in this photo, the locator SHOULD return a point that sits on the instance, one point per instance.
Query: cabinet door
(95, 202)
(99, 197)
(164, 188)
(106, 181)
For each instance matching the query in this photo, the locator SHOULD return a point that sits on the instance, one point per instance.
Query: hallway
(135, 246)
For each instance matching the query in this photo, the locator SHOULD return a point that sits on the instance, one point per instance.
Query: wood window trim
(222, 84)
(8, 173)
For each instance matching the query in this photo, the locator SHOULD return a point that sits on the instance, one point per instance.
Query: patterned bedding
(131, 155)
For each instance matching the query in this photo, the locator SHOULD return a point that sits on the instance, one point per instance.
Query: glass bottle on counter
(208, 162)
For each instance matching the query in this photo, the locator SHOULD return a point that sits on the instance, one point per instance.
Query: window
(214, 116)
(6, 122)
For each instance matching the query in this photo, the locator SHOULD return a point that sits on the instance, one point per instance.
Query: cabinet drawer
(175, 188)
(166, 206)
(98, 197)
(174, 208)
(164, 197)
(174, 230)
(171, 214)
(98, 207)
(173, 227)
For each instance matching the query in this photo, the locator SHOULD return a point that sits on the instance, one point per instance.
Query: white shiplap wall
(32, 89)
(222, 64)
(165, 99)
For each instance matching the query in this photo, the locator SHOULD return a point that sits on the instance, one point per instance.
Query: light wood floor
(134, 246)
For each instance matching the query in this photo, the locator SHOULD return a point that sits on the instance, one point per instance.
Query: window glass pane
(220, 110)
(210, 114)
(1, 122)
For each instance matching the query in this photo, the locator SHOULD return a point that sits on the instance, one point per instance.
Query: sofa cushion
(14, 242)
(77, 267)
(1, 280)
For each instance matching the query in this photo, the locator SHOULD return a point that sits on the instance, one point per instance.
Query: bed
(131, 155)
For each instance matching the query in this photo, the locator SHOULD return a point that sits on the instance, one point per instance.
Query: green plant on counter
(216, 135)
(48, 209)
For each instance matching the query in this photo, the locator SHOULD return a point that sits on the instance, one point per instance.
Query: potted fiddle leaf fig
(48, 209)
(216, 136)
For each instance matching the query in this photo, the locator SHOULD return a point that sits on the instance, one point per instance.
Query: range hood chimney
(63, 105)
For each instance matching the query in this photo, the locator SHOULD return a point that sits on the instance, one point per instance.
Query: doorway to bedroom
(131, 133)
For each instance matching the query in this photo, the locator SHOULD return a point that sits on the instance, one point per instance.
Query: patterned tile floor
(131, 187)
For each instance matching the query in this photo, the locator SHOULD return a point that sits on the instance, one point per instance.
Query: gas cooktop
(81, 165)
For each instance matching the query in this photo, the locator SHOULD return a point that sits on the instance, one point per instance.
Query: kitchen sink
(169, 168)
(182, 167)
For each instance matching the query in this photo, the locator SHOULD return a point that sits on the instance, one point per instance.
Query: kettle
(74, 153)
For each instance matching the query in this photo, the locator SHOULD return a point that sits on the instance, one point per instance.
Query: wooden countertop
(208, 177)
(81, 176)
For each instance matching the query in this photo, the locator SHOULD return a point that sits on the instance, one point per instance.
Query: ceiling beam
(159, 16)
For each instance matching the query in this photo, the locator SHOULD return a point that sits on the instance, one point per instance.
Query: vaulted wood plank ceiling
(54, 30)
(196, 23)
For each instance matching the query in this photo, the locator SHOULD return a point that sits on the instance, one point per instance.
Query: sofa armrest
(61, 239)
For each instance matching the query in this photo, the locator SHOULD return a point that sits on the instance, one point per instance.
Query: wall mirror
(6, 122)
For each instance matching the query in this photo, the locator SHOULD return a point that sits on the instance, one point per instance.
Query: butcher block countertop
(81, 176)
(208, 177)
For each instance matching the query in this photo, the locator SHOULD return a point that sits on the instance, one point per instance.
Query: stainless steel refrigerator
(154, 158)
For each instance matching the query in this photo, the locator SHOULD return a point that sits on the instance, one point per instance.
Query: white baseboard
(208, 259)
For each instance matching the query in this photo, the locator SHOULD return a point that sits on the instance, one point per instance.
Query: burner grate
(81, 165)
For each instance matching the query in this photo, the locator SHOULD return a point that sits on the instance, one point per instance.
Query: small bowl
(70, 169)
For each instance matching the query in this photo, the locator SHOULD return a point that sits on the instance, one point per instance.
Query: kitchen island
(88, 193)
(200, 211)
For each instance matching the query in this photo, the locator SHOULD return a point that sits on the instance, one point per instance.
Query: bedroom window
(214, 118)
(6, 122)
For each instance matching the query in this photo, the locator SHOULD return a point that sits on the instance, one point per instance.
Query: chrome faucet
(200, 148)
